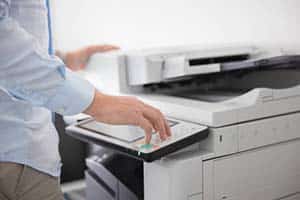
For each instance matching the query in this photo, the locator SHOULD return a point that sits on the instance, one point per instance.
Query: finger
(147, 126)
(161, 127)
(169, 133)
(153, 115)
(101, 48)
(109, 48)
(165, 125)
(162, 122)
(81, 66)
(157, 123)
(157, 119)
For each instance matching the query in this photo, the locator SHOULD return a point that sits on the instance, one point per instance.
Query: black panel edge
(114, 147)
(147, 157)
(175, 146)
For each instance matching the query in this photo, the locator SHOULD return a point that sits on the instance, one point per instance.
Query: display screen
(121, 132)
(172, 123)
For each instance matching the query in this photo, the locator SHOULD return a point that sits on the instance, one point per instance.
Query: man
(32, 85)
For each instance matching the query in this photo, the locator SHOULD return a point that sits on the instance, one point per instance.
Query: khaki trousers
(20, 182)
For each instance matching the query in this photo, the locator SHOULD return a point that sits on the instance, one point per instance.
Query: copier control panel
(130, 139)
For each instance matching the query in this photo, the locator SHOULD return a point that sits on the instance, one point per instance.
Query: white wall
(145, 23)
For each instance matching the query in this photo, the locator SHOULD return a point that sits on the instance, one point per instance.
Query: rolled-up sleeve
(28, 73)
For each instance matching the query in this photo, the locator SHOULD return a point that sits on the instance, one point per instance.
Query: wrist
(96, 103)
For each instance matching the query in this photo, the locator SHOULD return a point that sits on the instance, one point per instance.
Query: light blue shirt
(32, 85)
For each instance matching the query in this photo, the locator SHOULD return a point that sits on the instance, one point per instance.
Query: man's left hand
(77, 60)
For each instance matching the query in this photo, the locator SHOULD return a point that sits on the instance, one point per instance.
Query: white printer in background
(250, 102)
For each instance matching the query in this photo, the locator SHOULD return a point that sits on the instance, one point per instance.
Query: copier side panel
(156, 181)
(221, 141)
(268, 131)
(267, 173)
(174, 179)
(246, 136)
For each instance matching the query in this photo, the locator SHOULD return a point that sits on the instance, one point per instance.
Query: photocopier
(235, 117)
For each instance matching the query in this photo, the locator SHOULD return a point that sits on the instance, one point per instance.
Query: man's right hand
(123, 110)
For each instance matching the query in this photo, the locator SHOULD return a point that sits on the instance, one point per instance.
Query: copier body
(253, 148)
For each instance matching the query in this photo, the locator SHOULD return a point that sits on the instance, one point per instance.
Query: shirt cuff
(73, 97)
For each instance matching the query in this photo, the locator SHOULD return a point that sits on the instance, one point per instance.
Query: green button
(146, 146)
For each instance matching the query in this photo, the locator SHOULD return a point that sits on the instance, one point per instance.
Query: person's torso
(27, 134)
(32, 16)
